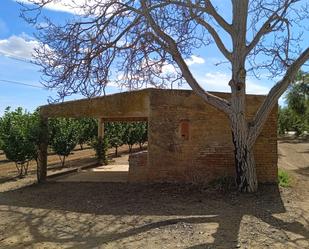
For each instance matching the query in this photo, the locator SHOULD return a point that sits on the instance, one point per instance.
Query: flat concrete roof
(124, 106)
(130, 105)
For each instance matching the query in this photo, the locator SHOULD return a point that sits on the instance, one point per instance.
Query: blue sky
(16, 47)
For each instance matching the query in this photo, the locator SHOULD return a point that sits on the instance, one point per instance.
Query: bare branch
(206, 8)
(216, 37)
(217, 102)
(274, 94)
(275, 18)
(219, 19)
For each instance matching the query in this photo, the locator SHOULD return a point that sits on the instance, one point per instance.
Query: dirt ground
(120, 215)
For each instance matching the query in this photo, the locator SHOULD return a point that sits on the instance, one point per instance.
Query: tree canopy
(295, 115)
(19, 132)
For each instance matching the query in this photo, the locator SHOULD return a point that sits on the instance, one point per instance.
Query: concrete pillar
(100, 128)
(100, 136)
(42, 152)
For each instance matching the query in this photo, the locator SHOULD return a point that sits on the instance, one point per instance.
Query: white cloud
(70, 6)
(218, 81)
(195, 60)
(19, 46)
(168, 68)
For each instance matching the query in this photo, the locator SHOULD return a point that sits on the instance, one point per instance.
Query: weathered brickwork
(138, 163)
(188, 140)
(206, 152)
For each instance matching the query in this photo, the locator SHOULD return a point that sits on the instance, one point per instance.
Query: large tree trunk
(246, 178)
(244, 162)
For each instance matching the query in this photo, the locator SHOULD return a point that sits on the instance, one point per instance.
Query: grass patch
(284, 178)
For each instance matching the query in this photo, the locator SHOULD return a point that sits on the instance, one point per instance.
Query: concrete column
(42, 152)
(100, 136)
(100, 128)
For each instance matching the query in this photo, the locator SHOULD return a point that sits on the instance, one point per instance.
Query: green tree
(142, 133)
(19, 131)
(288, 120)
(100, 145)
(297, 97)
(115, 132)
(63, 136)
(295, 116)
(131, 135)
(87, 130)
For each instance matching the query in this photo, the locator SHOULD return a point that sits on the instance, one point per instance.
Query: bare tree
(133, 41)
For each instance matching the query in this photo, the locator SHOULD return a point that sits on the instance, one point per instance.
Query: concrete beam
(133, 104)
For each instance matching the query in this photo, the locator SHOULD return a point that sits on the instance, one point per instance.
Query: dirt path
(294, 158)
(119, 215)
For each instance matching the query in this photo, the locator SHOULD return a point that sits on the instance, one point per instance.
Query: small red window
(184, 129)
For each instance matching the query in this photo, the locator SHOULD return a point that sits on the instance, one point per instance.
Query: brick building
(188, 140)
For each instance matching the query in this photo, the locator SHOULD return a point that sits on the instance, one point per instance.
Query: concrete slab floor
(116, 171)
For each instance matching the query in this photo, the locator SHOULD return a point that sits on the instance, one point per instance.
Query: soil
(72, 214)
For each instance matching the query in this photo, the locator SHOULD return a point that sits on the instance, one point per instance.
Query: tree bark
(246, 178)
(62, 160)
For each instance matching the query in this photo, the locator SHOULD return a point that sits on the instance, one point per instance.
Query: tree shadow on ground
(71, 163)
(303, 171)
(4, 160)
(293, 140)
(38, 207)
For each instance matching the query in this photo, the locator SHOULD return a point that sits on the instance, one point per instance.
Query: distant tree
(297, 96)
(132, 42)
(295, 115)
(283, 119)
(114, 131)
(100, 145)
(63, 136)
(142, 133)
(131, 134)
(87, 130)
(1, 142)
(19, 132)
(288, 120)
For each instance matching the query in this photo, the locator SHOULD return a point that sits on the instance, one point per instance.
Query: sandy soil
(120, 215)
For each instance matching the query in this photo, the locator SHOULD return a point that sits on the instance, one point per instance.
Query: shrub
(19, 132)
(115, 133)
(1, 144)
(87, 130)
(131, 135)
(295, 116)
(283, 178)
(100, 145)
(142, 133)
(63, 136)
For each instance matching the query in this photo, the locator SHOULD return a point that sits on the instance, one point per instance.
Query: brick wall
(137, 166)
(207, 152)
